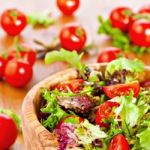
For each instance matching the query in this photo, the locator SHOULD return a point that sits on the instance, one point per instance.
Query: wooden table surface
(86, 15)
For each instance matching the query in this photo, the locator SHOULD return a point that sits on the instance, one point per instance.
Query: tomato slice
(119, 142)
(122, 89)
(73, 85)
(105, 112)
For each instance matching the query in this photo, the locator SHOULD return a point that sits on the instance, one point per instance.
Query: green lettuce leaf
(40, 18)
(71, 58)
(87, 133)
(135, 66)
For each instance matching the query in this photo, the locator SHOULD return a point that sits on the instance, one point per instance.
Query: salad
(107, 109)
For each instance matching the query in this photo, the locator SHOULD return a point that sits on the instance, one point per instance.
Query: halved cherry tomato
(73, 37)
(68, 7)
(105, 112)
(18, 73)
(8, 132)
(139, 32)
(73, 85)
(122, 89)
(13, 21)
(119, 142)
(121, 18)
(24, 53)
(145, 9)
(109, 54)
(70, 120)
(3, 63)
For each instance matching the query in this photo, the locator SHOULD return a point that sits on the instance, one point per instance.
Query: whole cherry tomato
(105, 112)
(121, 18)
(73, 85)
(8, 132)
(119, 142)
(3, 63)
(145, 9)
(73, 38)
(109, 54)
(13, 21)
(139, 32)
(24, 53)
(122, 89)
(68, 7)
(18, 73)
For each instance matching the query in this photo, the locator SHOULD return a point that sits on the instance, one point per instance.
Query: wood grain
(12, 98)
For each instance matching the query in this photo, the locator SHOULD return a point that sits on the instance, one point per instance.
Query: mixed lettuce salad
(98, 110)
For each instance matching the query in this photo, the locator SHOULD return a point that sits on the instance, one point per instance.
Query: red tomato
(145, 9)
(24, 53)
(68, 7)
(105, 112)
(73, 38)
(73, 85)
(122, 89)
(3, 63)
(139, 32)
(121, 18)
(13, 21)
(69, 120)
(119, 142)
(109, 54)
(8, 131)
(18, 73)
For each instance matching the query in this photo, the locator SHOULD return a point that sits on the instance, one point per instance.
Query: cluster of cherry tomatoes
(136, 25)
(16, 66)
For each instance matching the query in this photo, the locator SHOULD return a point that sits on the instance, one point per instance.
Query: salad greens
(119, 38)
(40, 18)
(132, 115)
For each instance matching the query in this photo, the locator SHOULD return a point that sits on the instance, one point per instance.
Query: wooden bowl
(37, 137)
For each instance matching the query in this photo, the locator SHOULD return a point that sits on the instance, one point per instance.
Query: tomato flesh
(8, 132)
(122, 89)
(73, 38)
(121, 18)
(73, 85)
(13, 21)
(18, 73)
(145, 9)
(119, 142)
(109, 54)
(68, 7)
(139, 32)
(105, 112)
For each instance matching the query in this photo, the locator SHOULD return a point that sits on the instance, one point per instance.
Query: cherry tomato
(8, 132)
(13, 21)
(68, 7)
(121, 18)
(109, 54)
(122, 89)
(119, 142)
(24, 53)
(145, 9)
(70, 120)
(139, 32)
(73, 38)
(73, 85)
(3, 63)
(105, 112)
(18, 73)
